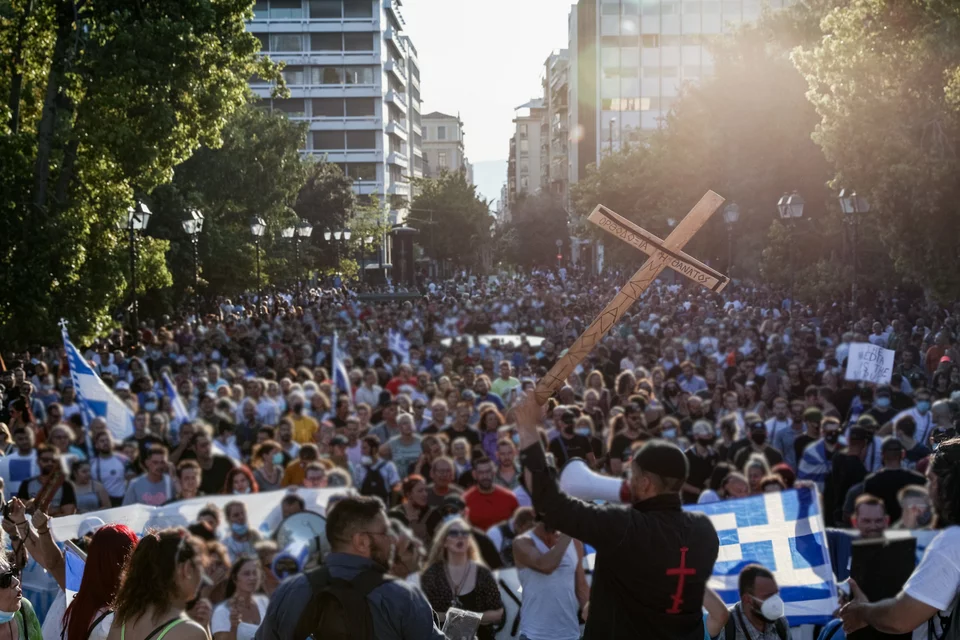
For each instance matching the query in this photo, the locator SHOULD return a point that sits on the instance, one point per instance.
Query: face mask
(924, 518)
(582, 431)
(150, 406)
(832, 437)
(669, 434)
(239, 529)
(923, 406)
(516, 439)
(882, 402)
(772, 608)
(6, 616)
(278, 458)
(366, 461)
(759, 436)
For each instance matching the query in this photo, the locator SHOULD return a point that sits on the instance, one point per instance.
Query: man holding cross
(653, 559)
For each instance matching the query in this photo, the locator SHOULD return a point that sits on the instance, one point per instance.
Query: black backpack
(338, 609)
(375, 485)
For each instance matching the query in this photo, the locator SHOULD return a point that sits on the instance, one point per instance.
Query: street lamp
(790, 208)
(731, 215)
(303, 229)
(138, 217)
(193, 225)
(337, 237)
(852, 206)
(257, 228)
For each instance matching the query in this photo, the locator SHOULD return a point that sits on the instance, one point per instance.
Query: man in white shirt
(369, 391)
(21, 463)
(109, 469)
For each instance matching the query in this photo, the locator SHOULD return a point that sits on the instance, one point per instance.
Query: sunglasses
(457, 533)
(6, 579)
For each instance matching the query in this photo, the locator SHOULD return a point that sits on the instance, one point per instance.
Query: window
(711, 6)
(691, 71)
(361, 107)
(524, 146)
(326, 42)
(358, 42)
(650, 41)
(325, 9)
(442, 160)
(327, 75)
(691, 39)
(651, 72)
(523, 130)
(668, 71)
(293, 75)
(328, 140)
(610, 9)
(691, 7)
(327, 108)
(357, 9)
(290, 106)
(630, 7)
(650, 104)
(286, 42)
(361, 139)
(358, 75)
(264, 41)
(441, 132)
(651, 7)
(286, 9)
(670, 8)
(362, 171)
(731, 8)
(669, 40)
(260, 10)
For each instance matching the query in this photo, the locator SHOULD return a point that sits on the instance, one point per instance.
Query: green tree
(885, 81)
(536, 224)
(100, 101)
(454, 222)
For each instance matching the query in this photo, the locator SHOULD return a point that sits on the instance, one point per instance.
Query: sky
(484, 58)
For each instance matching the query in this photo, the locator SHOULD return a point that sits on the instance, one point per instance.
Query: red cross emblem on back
(681, 572)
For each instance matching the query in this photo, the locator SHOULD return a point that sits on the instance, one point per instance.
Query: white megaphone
(579, 481)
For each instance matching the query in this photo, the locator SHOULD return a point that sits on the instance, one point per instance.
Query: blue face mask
(278, 458)
(923, 406)
(583, 431)
(239, 529)
(882, 402)
(670, 434)
(516, 439)
(6, 616)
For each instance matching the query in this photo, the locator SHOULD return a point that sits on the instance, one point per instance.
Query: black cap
(662, 458)
(858, 434)
(891, 445)
(883, 390)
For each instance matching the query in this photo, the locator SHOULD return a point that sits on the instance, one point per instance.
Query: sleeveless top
(550, 605)
(88, 501)
(162, 630)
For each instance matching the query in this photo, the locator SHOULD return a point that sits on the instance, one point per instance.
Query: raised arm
(717, 612)
(526, 554)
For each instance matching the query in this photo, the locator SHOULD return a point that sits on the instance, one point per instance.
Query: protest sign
(869, 363)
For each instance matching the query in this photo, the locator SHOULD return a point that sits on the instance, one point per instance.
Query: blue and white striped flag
(73, 567)
(341, 379)
(784, 532)
(95, 398)
(399, 345)
(180, 413)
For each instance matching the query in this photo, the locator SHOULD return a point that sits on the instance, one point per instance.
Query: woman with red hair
(89, 615)
(239, 482)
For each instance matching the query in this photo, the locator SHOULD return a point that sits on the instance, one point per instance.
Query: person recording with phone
(653, 559)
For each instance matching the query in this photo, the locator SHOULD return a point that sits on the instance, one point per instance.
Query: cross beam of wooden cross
(641, 239)
(660, 258)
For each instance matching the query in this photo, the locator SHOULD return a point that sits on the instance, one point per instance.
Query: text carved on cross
(661, 255)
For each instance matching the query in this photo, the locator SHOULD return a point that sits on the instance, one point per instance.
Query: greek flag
(73, 567)
(784, 532)
(341, 379)
(399, 345)
(813, 464)
(95, 398)
(180, 413)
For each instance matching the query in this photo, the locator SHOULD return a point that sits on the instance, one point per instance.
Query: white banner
(263, 511)
(869, 363)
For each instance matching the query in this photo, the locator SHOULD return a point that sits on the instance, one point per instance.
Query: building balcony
(367, 187)
(397, 129)
(391, 7)
(399, 159)
(390, 66)
(399, 188)
(396, 98)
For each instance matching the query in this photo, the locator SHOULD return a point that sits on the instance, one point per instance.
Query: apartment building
(554, 126)
(443, 144)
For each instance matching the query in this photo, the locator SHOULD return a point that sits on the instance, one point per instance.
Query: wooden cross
(663, 254)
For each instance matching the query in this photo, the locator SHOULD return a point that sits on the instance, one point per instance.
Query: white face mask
(366, 461)
(771, 608)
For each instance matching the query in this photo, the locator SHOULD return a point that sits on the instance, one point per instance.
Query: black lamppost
(363, 257)
(337, 237)
(852, 206)
(302, 229)
(257, 228)
(138, 217)
(193, 225)
(731, 215)
(790, 208)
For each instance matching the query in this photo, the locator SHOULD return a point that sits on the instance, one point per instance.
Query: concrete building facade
(443, 144)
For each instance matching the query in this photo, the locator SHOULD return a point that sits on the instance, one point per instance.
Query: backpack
(730, 631)
(375, 485)
(338, 609)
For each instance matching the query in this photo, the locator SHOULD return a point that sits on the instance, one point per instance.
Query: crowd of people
(748, 384)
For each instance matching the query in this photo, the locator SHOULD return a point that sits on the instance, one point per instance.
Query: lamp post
(192, 226)
(731, 215)
(257, 227)
(337, 237)
(302, 229)
(363, 257)
(612, 122)
(790, 208)
(852, 206)
(138, 217)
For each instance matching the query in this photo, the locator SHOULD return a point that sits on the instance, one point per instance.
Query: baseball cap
(812, 413)
(702, 429)
(89, 525)
(859, 434)
(662, 458)
(945, 359)
(122, 386)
